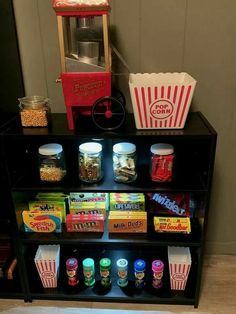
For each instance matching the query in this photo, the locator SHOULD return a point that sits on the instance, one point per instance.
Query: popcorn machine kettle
(85, 55)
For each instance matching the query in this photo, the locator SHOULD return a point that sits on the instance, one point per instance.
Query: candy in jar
(52, 166)
(105, 269)
(124, 162)
(157, 268)
(34, 111)
(122, 267)
(89, 271)
(90, 162)
(71, 270)
(139, 273)
(162, 159)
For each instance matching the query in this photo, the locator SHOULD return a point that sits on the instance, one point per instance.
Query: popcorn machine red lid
(64, 7)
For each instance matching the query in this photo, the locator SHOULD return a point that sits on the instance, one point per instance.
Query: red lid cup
(72, 263)
(157, 266)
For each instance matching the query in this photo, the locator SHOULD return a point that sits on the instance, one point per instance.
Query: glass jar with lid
(34, 111)
(124, 162)
(162, 159)
(52, 166)
(90, 162)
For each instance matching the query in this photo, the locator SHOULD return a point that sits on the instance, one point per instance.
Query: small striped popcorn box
(179, 266)
(47, 260)
(161, 100)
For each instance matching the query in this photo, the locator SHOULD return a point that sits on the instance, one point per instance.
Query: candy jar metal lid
(50, 149)
(162, 149)
(90, 148)
(124, 148)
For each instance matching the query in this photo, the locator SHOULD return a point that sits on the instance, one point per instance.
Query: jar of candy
(52, 166)
(105, 269)
(162, 159)
(34, 111)
(157, 268)
(122, 268)
(88, 271)
(139, 273)
(124, 162)
(90, 162)
(71, 270)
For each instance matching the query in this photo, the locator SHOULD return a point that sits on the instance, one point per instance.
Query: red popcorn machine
(85, 54)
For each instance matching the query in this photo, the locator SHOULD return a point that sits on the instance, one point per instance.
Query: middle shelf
(150, 238)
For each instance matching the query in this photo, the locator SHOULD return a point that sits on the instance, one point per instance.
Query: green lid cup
(88, 270)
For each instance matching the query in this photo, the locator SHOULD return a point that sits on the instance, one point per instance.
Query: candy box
(47, 261)
(88, 197)
(42, 222)
(172, 224)
(54, 195)
(85, 223)
(76, 199)
(177, 204)
(179, 266)
(127, 201)
(88, 208)
(49, 206)
(127, 222)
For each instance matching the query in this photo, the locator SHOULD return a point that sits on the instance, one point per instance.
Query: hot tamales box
(127, 222)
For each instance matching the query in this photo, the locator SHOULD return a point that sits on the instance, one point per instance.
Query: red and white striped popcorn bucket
(179, 266)
(161, 100)
(47, 260)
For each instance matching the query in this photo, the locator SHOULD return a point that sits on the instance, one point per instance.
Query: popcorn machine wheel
(85, 53)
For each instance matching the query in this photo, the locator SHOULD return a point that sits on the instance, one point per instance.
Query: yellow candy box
(41, 221)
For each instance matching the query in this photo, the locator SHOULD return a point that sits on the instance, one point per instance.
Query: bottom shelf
(128, 294)
(115, 294)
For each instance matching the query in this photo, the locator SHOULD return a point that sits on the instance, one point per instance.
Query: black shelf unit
(195, 152)
(9, 288)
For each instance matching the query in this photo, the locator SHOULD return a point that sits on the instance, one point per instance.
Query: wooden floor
(218, 293)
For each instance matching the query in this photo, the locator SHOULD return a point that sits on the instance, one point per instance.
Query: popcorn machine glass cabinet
(83, 44)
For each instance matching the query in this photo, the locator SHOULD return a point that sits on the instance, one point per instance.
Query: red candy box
(177, 204)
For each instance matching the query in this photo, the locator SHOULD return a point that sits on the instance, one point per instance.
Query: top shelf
(196, 126)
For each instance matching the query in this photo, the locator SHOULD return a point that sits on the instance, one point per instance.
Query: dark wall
(11, 81)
